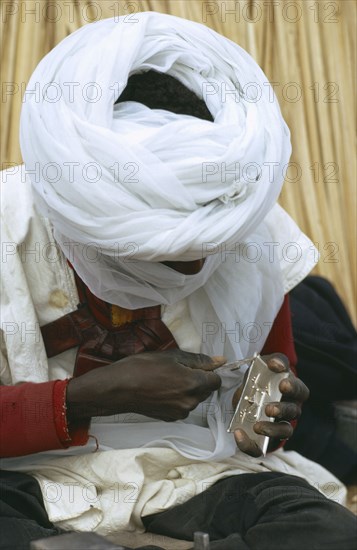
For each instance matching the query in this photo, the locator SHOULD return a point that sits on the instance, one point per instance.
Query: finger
(217, 361)
(283, 410)
(208, 381)
(280, 430)
(214, 381)
(200, 360)
(247, 445)
(293, 388)
(277, 362)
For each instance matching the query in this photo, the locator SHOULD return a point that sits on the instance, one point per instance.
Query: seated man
(146, 242)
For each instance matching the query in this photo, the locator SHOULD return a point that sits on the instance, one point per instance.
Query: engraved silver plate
(260, 388)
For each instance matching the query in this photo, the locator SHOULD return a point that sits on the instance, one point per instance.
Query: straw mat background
(306, 48)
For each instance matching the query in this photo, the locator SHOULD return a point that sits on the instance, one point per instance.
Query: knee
(289, 493)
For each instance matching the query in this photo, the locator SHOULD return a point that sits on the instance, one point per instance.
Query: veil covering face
(127, 187)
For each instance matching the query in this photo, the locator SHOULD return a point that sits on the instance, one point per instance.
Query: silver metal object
(201, 541)
(260, 388)
(75, 541)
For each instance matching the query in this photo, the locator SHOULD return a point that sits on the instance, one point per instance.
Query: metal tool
(75, 541)
(236, 365)
(201, 541)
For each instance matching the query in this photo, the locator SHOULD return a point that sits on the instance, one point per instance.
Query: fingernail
(286, 386)
(219, 359)
(277, 363)
(238, 434)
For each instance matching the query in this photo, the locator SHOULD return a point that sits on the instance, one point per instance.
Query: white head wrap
(127, 187)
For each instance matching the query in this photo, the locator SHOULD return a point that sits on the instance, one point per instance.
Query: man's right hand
(165, 385)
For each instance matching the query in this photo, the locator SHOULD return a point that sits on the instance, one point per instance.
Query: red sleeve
(33, 419)
(281, 340)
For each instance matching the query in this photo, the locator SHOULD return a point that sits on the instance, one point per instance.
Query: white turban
(127, 187)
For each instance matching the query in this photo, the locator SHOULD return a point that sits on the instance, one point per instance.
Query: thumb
(200, 360)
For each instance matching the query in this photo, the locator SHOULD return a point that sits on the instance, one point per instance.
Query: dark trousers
(23, 517)
(265, 511)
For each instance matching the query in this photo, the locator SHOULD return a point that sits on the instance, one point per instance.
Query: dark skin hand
(294, 393)
(165, 385)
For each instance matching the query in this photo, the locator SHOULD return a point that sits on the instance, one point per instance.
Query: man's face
(187, 268)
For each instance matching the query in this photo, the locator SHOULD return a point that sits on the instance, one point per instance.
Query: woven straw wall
(306, 48)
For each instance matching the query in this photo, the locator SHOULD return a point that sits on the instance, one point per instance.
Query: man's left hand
(294, 393)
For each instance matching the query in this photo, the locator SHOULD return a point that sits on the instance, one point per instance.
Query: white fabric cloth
(110, 490)
(168, 209)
